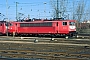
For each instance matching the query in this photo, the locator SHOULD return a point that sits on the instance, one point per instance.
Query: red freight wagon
(55, 27)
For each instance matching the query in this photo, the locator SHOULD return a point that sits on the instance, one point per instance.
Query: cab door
(0, 27)
(63, 27)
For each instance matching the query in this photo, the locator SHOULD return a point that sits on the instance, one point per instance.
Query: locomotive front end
(72, 28)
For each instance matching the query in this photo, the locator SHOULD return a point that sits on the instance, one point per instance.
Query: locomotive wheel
(52, 36)
(71, 35)
(76, 36)
(67, 37)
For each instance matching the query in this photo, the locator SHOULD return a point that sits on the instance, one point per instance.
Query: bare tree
(80, 10)
(59, 7)
(79, 13)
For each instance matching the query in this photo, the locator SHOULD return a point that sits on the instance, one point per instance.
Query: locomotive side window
(71, 23)
(64, 23)
(0, 24)
(6, 24)
(36, 24)
(11, 24)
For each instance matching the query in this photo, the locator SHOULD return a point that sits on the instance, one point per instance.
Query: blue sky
(34, 8)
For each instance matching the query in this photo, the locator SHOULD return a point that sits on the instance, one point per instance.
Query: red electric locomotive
(3, 27)
(47, 27)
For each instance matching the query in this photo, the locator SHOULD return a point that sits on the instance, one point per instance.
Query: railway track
(43, 51)
(59, 49)
(44, 40)
(41, 55)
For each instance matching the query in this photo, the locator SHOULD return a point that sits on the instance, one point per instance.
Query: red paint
(56, 28)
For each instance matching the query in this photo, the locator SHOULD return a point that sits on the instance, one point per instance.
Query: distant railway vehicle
(43, 27)
(3, 27)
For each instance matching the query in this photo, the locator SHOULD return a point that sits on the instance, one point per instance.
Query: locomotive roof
(2, 21)
(45, 21)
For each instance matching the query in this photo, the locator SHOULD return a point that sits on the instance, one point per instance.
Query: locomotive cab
(72, 28)
(67, 28)
(11, 28)
(3, 27)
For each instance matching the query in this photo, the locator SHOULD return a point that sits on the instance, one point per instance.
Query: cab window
(0, 24)
(11, 24)
(71, 23)
(64, 23)
(6, 24)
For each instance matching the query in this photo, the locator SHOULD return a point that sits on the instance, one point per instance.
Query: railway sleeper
(75, 55)
(61, 54)
(15, 52)
(80, 55)
(86, 55)
(53, 54)
(38, 56)
(13, 55)
(44, 53)
(35, 53)
(4, 51)
(29, 56)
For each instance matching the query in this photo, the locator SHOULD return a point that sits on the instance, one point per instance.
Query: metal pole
(68, 16)
(16, 11)
(28, 16)
(6, 8)
(7, 16)
(57, 14)
(45, 9)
